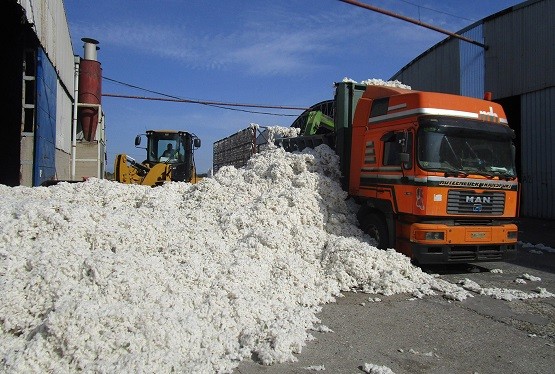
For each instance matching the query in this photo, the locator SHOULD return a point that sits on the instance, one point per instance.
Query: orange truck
(434, 174)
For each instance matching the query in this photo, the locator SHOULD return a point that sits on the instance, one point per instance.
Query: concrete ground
(434, 335)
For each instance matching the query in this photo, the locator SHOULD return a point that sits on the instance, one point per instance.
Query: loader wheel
(375, 226)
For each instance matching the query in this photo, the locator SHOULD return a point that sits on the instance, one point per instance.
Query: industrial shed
(43, 138)
(518, 68)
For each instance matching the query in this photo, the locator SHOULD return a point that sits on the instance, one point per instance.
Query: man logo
(477, 208)
(478, 200)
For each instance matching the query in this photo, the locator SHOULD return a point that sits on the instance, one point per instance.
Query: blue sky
(255, 52)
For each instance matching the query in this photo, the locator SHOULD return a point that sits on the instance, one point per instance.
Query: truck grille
(476, 253)
(471, 202)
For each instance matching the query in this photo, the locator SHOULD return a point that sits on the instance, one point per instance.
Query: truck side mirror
(404, 157)
(196, 143)
(137, 140)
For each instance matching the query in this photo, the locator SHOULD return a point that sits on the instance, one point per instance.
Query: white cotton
(266, 138)
(378, 82)
(504, 293)
(315, 368)
(106, 277)
(376, 369)
(470, 285)
(323, 328)
(531, 278)
(349, 80)
(543, 293)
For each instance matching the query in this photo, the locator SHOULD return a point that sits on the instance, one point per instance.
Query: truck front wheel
(376, 228)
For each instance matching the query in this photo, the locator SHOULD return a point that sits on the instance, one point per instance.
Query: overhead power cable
(217, 104)
(414, 21)
(206, 102)
(437, 11)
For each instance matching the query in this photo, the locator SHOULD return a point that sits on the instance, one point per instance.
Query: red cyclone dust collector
(90, 91)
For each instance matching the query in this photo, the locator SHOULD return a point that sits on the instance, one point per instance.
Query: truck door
(397, 160)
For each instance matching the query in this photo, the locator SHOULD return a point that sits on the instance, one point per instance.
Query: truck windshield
(462, 147)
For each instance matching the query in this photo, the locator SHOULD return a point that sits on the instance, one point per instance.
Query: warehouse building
(43, 137)
(45, 113)
(517, 66)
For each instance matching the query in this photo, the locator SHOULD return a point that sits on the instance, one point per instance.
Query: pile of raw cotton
(379, 82)
(105, 277)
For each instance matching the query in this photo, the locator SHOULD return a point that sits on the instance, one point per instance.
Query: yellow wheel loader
(170, 157)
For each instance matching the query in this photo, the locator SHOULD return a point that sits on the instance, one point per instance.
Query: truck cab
(435, 175)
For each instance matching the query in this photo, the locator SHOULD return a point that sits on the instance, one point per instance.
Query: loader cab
(166, 147)
(171, 147)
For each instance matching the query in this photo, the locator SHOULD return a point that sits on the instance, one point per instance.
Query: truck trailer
(433, 173)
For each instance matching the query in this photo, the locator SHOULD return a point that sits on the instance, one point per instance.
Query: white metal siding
(63, 165)
(50, 25)
(538, 154)
(63, 120)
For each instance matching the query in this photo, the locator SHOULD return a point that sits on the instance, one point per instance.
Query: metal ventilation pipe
(90, 48)
(90, 83)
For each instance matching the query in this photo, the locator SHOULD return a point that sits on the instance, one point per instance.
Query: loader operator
(170, 153)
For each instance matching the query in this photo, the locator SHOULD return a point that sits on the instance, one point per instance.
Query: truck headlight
(429, 235)
(512, 235)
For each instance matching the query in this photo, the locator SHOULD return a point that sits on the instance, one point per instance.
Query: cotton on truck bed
(434, 173)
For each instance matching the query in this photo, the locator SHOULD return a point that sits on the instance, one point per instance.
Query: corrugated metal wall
(434, 71)
(521, 57)
(472, 65)
(538, 154)
(50, 25)
(521, 62)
